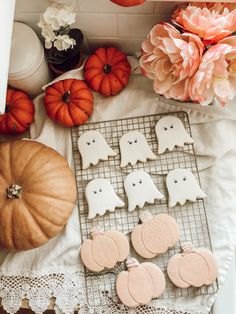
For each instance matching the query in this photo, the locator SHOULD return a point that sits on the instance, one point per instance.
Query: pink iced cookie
(155, 235)
(193, 267)
(130, 284)
(104, 250)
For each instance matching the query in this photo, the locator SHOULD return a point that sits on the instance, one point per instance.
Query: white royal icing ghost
(170, 132)
(140, 189)
(93, 147)
(182, 186)
(134, 148)
(101, 197)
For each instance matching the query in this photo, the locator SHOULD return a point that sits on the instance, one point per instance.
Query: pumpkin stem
(187, 247)
(145, 216)
(107, 68)
(131, 263)
(66, 97)
(95, 231)
(14, 191)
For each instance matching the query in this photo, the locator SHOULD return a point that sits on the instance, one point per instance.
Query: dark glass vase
(63, 61)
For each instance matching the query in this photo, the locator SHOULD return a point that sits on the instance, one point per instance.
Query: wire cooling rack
(191, 217)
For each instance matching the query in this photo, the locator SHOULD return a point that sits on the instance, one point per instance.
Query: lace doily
(69, 292)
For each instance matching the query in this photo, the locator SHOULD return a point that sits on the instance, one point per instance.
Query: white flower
(48, 33)
(50, 17)
(65, 17)
(64, 42)
(42, 22)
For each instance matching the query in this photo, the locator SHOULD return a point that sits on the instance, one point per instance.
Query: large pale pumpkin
(37, 194)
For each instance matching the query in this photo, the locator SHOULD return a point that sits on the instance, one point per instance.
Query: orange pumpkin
(140, 284)
(128, 3)
(69, 102)
(107, 71)
(37, 194)
(19, 112)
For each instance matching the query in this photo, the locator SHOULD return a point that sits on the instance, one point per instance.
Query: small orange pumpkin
(69, 102)
(128, 3)
(19, 112)
(193, 267)
(37, 194)
(107, 71)
(104, 250)
(140, 284)
(155, 235)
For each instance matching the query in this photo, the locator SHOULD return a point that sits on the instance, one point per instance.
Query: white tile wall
(103, 22)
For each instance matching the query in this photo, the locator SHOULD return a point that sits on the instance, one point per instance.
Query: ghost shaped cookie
(170, 132)
(193, 267)
(140, 189)
(134, 148)
(101, 197)
(104, 249)
(155, 235)
(140, 283)
(93, 148)
(182, 186)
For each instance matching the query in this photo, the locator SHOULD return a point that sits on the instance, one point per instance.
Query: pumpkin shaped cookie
(155, 235)
(37, 194)
(140, 283)
(193, 267)
(104, 250)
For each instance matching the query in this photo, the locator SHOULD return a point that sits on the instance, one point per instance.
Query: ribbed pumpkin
(19, 112)
(69, 102)
(37, 194)
(140, 284)
(107, 71)
(128, 3)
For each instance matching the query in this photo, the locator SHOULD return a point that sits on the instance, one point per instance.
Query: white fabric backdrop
(214, 131)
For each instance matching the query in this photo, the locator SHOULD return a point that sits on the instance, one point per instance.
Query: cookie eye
(133, 184)
(140, 182)
(100, 190)
(130, 142)
(175, 181)
(184, 178)
(165, 128)
(171, 126)
(94, 141)
(88, 143)
(135, 141)
(95, 192)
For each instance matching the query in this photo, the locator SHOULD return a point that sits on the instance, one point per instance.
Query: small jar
(28, 69)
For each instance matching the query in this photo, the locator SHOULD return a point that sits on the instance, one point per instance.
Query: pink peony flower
(216, 76)
(212, 22)
(171, 59)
